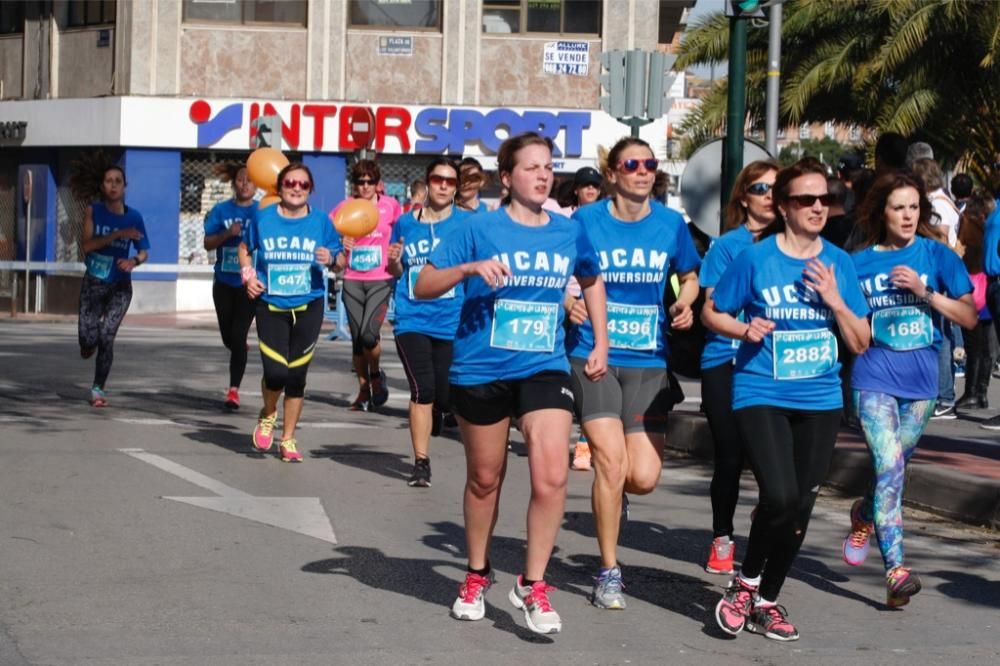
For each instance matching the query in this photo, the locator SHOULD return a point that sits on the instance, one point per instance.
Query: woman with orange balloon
(365, 222)
(282, 257)
(224, 226)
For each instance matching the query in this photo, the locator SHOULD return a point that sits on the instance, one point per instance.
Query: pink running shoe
(233, 398)
(471, 602)
(857, 542)
(900, 584)
(289, 451)
(733, 609)
(534, 601)
(263, 434)
(770, 622)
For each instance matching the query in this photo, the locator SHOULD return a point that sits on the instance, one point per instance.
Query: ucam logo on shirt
(794, 301)
(638, 264)
(880, 292)
(540, 262)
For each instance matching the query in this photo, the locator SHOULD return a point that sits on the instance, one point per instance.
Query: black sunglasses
(809, 200)
(759, 189)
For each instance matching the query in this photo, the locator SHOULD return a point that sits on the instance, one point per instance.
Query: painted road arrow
(304, 515)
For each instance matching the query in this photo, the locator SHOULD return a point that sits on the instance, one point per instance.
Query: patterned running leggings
(102, 307)
(892, 428)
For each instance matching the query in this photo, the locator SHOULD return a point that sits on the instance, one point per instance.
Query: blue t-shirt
(227, 261)
(991, 243)
(515, 330)
(718, 348)
(285, 256)
(636, 259)
(436, 317)
(906, 332)
(102, 264)
(796, 365)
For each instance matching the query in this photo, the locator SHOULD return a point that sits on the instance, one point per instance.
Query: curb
(963, 497)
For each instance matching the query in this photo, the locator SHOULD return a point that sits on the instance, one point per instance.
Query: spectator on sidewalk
(979, 359)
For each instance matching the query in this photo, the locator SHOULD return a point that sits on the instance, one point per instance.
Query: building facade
(169, 88)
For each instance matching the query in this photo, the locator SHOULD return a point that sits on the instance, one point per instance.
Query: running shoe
(944, 413)
(608, 586)
(471, 603)
(421, 476)
(363, 402)
(732, 610)
(992, 423)
(380, 390)
(288, 451)
(770, 621)
(263, 433)
(233, 398)
(720, 556)
(581, 456)
(534, 601)
(858, 541)
(900, 585)
(97, 398)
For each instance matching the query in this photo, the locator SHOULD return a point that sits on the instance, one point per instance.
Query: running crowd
(534, 312)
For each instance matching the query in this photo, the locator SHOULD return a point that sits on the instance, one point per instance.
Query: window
(90, 12)
(829, 130)
(246, 11)
(804, 131)
(546, 16)
(396, 13)
(855, 135)
(11, 18)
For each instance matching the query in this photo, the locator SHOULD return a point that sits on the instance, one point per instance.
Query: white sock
(761, 602)
(752, 582)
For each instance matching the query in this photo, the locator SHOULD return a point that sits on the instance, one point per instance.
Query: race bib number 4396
(803, 354)
(524, 326)
(632, 326)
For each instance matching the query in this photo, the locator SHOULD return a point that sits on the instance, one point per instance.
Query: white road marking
(304, 515)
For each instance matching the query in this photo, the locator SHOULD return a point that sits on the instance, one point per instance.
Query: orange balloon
(356, 218)
(269, 200)
(263, 167)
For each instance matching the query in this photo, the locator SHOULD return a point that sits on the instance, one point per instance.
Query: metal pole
(773, 79)
(27, 240)
(736, 106)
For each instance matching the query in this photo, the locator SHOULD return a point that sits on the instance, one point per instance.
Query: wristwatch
(926, 298)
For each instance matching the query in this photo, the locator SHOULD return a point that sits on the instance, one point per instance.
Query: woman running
(425, 328)
(368, 286)
(624, 415)
(291, 243)
(110, 231)
(585, 188)
(796, 291)
(510, 360)
(749, 211)
(914, 284)
(473, 180)
(224, 227)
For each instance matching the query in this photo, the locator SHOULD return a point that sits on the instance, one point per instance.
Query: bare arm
(434, 281)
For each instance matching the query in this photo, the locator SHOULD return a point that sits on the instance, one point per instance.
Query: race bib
(365, 258)
(99, 265)
(411, 278)
(289, 279)
(524, 326)
(230, 260)
(632, 326)
(803, 354)
(903, 328)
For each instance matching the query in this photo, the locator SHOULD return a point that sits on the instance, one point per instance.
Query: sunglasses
(290, 184)
(364, 181)
(631, 166)
(809, 200)
(443, 180)
(759, 189)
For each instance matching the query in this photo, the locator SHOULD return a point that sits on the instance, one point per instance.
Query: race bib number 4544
(524, 326)
(804, 354)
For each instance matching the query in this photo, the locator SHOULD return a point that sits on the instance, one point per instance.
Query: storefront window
(396, 13)
(246, 11)
(543, 16)
(11, 18)
(90, 12)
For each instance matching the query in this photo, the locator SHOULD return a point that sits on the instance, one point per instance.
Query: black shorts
(486, 404)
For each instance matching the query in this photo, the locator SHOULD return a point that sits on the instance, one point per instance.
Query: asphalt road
(149, 533)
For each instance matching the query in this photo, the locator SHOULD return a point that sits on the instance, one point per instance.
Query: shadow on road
(968, 587)
(415, 578)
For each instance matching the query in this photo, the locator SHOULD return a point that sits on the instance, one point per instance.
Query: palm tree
(926, 68)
